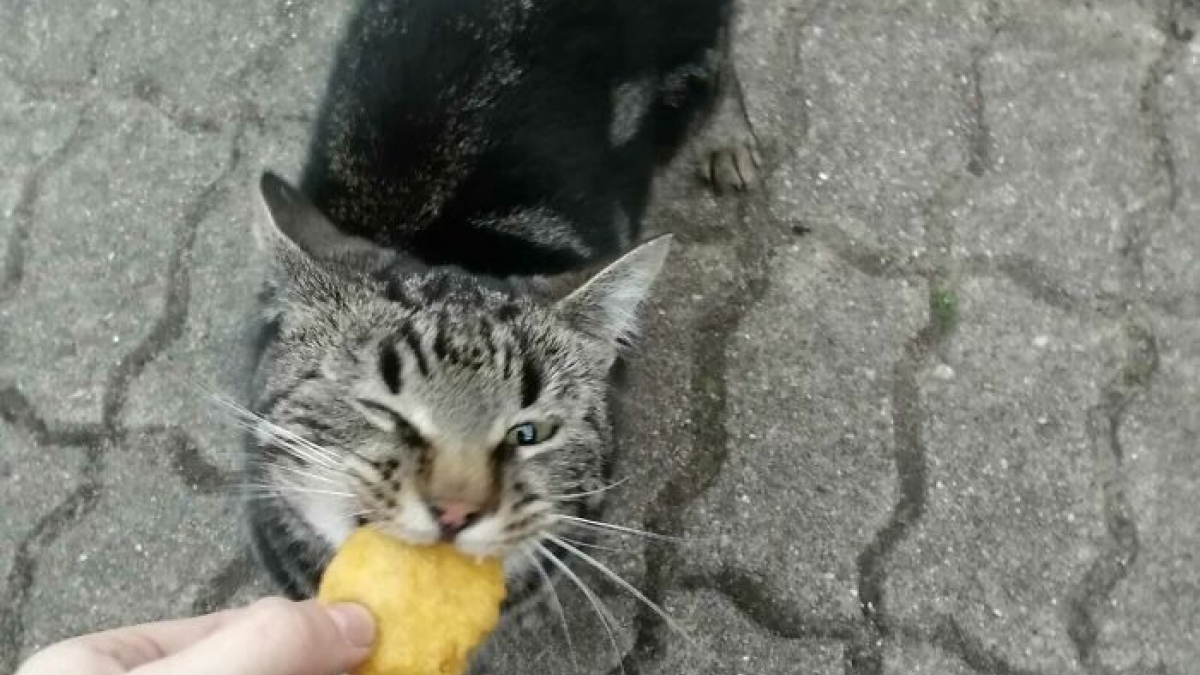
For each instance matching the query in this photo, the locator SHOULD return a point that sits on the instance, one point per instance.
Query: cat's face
(431, 404)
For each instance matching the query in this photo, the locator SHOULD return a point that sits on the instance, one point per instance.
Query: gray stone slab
(809, 476)
(34, 480)
(1011, 518)
(724, 641)
(921, 659)
(880, 93)
(1172, 274)
(212, 356)
(1153, 617)
(1051, 186)
(253, 55)
(58, 44)
(107, 222)
(143, 553)
(30, 131)
(33, 140)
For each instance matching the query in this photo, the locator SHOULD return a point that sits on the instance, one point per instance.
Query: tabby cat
(408, 377)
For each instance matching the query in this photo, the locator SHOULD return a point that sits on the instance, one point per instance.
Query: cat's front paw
(732, 165)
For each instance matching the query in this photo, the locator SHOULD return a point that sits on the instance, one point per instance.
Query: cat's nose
(453, 516)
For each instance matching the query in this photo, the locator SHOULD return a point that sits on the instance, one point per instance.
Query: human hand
(271, 637)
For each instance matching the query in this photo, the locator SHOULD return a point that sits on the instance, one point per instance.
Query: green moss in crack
(943, 308)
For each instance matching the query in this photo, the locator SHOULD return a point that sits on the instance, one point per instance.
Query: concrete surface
(927, 403)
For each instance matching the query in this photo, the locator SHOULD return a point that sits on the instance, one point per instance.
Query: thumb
(277, 637)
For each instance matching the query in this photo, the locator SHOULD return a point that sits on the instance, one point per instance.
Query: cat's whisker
(591, 545)
(295, 443)
(558, 608)
(610, 527)
(290, 445)
(620, 581)
(258, 423)
(576, 495)
(598, 605)
(276, 466)
(262, 489)
(298, 451)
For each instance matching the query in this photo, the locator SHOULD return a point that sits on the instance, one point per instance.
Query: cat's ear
(606, 307)
(294, 231)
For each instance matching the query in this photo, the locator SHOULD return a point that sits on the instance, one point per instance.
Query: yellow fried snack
(432, 604)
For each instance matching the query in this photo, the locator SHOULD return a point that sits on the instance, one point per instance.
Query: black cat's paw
(731, 165)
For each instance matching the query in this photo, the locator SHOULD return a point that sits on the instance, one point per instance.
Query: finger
(135, 645)
(277, 637)
(123, 649)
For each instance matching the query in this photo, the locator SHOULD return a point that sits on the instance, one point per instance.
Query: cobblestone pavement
(929, 402)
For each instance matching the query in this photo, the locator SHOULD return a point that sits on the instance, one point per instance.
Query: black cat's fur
(442, 116)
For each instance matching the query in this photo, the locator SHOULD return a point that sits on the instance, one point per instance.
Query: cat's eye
(530, 433)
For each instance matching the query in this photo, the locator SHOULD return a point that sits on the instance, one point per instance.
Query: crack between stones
(759, 606)
(980, 156)
(1150, 103)
(71, 510)
(709, 401)
(1019, 270)
(16, 409)
(146, 90)
(979, 134)
(865, 655)
(709, 391)
(219, 589)
(951, 639)
(1026, 275)
(23, 214)
(170, 325)
(51, 90)
(1088, 600)
(185, 458)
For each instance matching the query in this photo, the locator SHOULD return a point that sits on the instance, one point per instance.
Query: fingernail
(354, 622)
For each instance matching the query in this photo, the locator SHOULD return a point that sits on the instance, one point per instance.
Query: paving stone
(810, 477)
(1052, 186)
(30, 131)
(107, 222)
(34, 479)
(142, 554)
(1154, 615)
(213, 353)
(921, 659)
(59, 43)
(296, 70)
(1011, 514)
(1172, 274)
(724, 641)
(657, 442)
(882, 88)
(223, 55)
